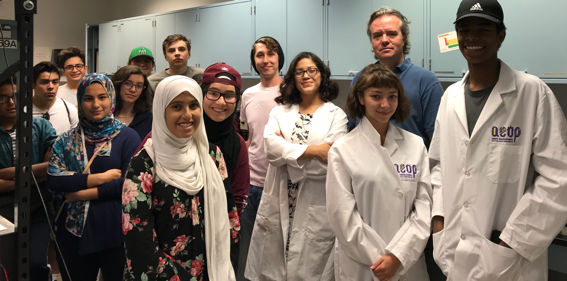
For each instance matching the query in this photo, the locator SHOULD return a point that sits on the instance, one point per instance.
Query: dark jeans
(246, 226)
(85, 267)
(39, 242)
(435, 273)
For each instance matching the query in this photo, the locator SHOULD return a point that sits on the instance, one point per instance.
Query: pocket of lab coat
(268, 215)
(439, 251)
(319, 242)
(497, 262)
(504, 163)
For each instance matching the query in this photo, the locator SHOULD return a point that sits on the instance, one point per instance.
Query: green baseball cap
(141, 51)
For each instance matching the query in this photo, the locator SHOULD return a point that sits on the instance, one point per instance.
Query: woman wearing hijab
(292, 239)
(88, 164)
(133, 101)
(176, 198)
(221, 89)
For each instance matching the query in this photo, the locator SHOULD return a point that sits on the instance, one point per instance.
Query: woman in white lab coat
(292, 239)
(378, 186)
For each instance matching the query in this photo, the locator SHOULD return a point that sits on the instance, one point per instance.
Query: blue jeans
(246, 226)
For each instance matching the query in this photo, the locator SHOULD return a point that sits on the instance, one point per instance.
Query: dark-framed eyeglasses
(45, 116)
(128, 84)
(6, 99)
(79, 66)
(310, 71)
(215, 96)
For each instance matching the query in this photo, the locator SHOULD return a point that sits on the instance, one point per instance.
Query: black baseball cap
(488, 9)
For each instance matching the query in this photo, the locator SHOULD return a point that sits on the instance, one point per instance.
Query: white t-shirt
(257, 102)
(58, 116)
(67, 94)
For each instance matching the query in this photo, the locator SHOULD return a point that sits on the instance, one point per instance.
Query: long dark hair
(328, 90)
(143, 102)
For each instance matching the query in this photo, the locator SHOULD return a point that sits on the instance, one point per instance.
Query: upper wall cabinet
(109, 38)
(348, 47)
(187, 24)
(541, 51)
(165, 26)
(305, 28)
(135, 33)
(226, 36)
(450, 64)
(270, 20)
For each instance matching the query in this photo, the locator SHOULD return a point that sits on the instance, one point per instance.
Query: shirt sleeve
(436, 177)
(113, 189)
(278, 150)
(241, 180)
(542, 211)
(244, 103)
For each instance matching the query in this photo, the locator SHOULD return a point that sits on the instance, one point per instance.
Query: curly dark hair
(328, 90)
(379, 76)
(68, 53)
(144, 102)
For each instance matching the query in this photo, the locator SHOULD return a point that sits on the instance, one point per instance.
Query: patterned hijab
(69, 155)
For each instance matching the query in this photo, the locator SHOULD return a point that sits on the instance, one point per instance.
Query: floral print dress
(299, 135)
(164, 227)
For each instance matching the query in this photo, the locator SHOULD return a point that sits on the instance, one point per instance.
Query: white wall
(61, 23)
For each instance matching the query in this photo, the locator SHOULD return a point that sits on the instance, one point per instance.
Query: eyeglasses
(215, 96)
(79, 66)
(128, 84)
(45, 116)
(6, 99)
(310, 71)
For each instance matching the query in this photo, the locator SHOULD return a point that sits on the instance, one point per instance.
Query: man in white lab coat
(499, 158)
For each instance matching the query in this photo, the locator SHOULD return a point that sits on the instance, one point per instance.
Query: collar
(506, 80)
(392, 135)
(402, 66)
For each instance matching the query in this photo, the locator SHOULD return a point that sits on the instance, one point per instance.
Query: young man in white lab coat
(499, 157)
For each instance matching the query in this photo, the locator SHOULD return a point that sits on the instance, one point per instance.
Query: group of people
(147, 177)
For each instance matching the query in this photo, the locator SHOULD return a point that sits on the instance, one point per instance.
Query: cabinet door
(305, 28)
(165, 26)
(533, 41)
(349, 48)
(450, 64)
(109, 47)
(226, 36)
(135, 33)
(414, 11)
(271, 21)
(186, 24)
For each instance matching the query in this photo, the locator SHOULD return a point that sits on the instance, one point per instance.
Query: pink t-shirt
(257, 102)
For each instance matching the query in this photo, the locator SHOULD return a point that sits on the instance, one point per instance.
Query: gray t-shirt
(156, 78)
(474, 103)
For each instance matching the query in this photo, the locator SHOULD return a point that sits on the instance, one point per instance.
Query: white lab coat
(379, 202)
(310, 251)
(510, 176)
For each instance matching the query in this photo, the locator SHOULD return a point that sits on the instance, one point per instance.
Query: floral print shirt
(164, 227)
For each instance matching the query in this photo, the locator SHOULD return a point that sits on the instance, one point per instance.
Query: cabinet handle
(195, 17)
(327, 2)
(422, 62)
(322, 2)
(429, 63)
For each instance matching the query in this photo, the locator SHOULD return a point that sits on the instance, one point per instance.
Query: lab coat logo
(506, 134)
(407, 172)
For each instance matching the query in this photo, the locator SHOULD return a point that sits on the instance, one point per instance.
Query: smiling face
(177, 54)
(143, 62)
(74, 73)
(479, 39)
(219, 110)
(266, 60)
(387, 39)
(183, 115)
(306, 84)
(379, 104)
(131, 95)
(96, 103)
(46, 86)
